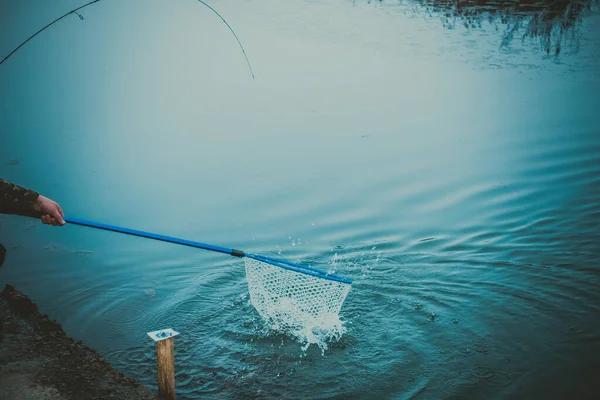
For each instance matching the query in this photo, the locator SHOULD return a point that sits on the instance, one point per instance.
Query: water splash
(289, 318)
(301, 306)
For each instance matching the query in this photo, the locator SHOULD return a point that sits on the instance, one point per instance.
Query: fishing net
(296, 299)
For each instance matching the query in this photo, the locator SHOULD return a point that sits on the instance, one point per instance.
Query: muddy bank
(39, 361)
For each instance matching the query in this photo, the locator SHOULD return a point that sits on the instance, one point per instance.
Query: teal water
(452, 174)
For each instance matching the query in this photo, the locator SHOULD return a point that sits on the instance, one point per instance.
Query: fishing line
(75, 11)
(236, 37)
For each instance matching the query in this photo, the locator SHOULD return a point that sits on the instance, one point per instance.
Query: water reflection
(553, 23)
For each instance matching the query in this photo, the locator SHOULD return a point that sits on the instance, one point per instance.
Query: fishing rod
(75, 11)
(47, 26)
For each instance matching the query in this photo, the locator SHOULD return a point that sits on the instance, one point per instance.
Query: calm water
(452, 173)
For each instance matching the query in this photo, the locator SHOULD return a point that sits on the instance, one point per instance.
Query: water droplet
(455, 358)
(480, 345)
(482, 372)
(499, 379)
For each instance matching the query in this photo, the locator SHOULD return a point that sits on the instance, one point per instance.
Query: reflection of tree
(552, 22)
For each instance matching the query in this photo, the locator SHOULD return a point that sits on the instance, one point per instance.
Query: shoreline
(39, 361)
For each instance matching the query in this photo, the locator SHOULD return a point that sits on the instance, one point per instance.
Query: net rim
(303, 269)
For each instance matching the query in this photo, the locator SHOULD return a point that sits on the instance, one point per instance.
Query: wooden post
(165, 359)
(166, 368)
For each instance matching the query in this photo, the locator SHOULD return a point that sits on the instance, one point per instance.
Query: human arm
(15, 199)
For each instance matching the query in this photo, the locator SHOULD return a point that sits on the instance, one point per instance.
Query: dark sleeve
(17, 200)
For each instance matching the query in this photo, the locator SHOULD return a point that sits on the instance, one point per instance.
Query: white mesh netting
(304, 305)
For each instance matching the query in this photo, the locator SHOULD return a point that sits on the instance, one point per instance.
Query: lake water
(451, 173)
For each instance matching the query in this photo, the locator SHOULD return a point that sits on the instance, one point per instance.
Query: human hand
(50, 211)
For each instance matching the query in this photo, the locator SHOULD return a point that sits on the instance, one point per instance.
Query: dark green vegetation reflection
(552, 23)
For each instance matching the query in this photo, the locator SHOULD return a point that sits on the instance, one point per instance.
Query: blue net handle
(233, 252)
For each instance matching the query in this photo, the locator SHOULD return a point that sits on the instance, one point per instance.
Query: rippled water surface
(445, 159)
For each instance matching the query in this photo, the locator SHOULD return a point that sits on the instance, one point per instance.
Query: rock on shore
(39, 361)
